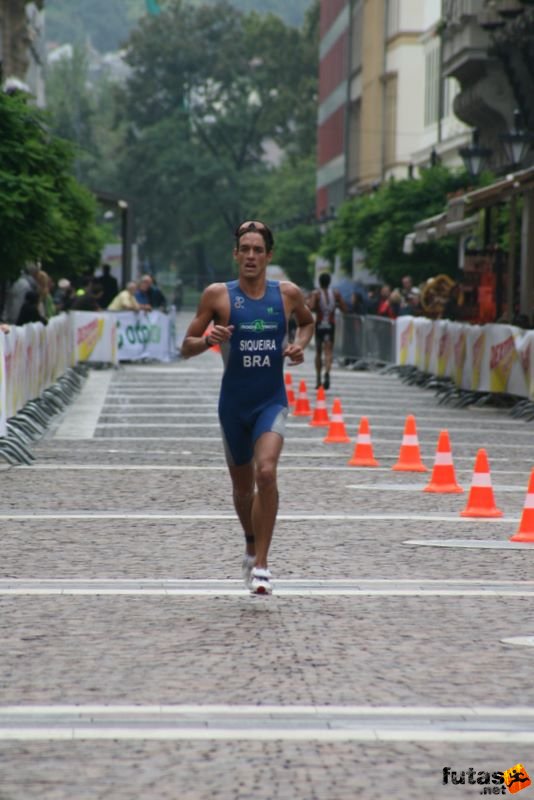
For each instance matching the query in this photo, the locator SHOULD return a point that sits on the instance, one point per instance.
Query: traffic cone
(409, 455)
(363, 452)
(480, 502)
(525, 532)
(336, 431)
(215, 347)
(302, 406)
(443, 478)
(289, 389)
(320, 414)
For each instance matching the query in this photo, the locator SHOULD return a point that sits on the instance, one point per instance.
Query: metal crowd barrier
(365, 338)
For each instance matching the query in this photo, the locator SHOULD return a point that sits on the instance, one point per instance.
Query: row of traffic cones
(481, 501)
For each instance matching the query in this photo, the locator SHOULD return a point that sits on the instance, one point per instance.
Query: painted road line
(223, 468)
(293, 588)
(474, 544)
(170, 516)
(292, 439)
(81, 418)
(521, 641)
(285, 723)
(413, 487)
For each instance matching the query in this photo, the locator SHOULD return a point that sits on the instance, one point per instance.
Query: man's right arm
(196, 342)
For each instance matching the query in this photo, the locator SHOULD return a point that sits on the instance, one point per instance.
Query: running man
(250, 318)
(323, 302)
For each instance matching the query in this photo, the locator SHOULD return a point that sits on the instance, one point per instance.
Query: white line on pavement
(290, 588)
(414, 487)
(111, 515)
(286, 723)
(81, 418)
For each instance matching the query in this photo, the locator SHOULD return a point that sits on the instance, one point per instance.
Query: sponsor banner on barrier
(113, 336)
(3, 394)
(145, 334)
(405, 337)
(95, 336)
(489, 358)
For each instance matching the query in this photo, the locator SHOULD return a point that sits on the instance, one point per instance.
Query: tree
(377, 224)
(208, 90)
(107, 23)
(44, 213)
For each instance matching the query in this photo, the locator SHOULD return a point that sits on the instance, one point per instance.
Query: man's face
(251, 255)
(144, 285)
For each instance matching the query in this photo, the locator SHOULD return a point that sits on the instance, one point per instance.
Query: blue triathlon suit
(253, 396)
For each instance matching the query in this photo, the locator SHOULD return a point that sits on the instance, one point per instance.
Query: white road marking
(512, 725)
(97, 587)
(414, 487)
(81, 417)
(521, 641)
(475, 544)
(111, 515)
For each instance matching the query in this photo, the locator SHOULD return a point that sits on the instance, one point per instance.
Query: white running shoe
(246, 568)
(260, 581)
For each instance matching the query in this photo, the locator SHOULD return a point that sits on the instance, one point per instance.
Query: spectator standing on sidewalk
(109, 284)
(323, 302)
(250, 317)
(126, 300)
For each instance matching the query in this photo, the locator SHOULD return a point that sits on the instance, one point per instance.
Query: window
(393, 17)
(390, 121)
(432, 84)
(357, 31)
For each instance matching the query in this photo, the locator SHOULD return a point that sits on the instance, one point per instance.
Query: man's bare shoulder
(214, 289)
(291, 289)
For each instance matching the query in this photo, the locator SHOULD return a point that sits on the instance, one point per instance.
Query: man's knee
(243, 496)
(266, 475)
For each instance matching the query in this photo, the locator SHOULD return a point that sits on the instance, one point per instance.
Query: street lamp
(474, 155)
(517, 142)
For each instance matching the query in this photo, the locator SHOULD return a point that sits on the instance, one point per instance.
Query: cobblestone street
(136, 666)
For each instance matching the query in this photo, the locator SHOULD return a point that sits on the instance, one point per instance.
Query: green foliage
(44, 213)
(207, 91)
(377, 224)
(107, 23)
(287, 203)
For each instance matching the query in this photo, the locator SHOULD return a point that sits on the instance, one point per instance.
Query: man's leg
(265, 504)
(328, 356)
(318, 359)
(243, 494)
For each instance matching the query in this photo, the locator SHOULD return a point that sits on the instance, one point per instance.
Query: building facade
(385, 109)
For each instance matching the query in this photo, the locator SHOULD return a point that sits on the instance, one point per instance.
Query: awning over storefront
(436, 227)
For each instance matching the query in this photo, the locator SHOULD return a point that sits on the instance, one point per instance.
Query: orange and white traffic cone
(215, 347)
(363, 452)
(409, 455)
(481, 502)
(302, 406)
(320, 413)
(443, 478)
(337, 433)
(525, 532)
(289, 389)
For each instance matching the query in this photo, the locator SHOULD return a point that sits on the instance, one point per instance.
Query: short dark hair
(255, 227)
(324, 280)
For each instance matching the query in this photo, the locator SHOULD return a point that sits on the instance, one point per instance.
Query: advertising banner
(145, 334)
(405, 340)
(3, 414)
(95, 336)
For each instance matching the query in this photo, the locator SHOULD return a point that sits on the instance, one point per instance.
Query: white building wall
(407, 61)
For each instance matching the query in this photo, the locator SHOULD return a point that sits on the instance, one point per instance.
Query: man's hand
(295, 353)
(220, 333)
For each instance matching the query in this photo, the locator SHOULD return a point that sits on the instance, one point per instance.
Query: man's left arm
(297, 306)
